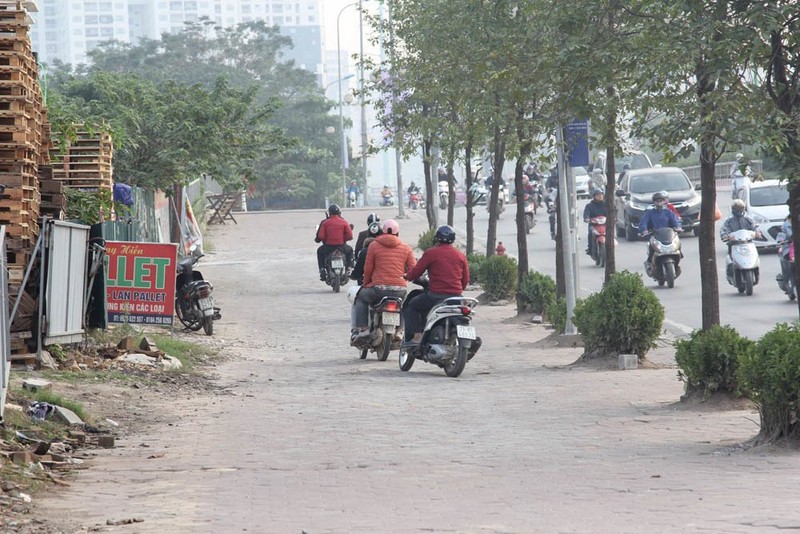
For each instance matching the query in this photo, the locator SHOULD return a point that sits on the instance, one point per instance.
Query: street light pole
(345, 163)
(361, 87)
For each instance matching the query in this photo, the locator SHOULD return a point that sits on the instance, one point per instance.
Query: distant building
(66, 30)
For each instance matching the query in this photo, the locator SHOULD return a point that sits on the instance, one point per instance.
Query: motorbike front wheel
(748, 282)
(192, 324)
(669, 274)
(457, 364)
(208, 325)
(406, 360)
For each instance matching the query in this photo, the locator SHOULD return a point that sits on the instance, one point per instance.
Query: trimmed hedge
(498, 276)
(537, 291)
(475, 260)
(709, 359)
(426, 239)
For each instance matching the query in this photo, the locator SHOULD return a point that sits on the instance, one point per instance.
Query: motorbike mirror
(620, 193)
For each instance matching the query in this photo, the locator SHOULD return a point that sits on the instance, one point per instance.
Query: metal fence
(722, 171)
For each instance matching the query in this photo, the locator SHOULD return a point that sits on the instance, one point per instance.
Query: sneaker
(323, 274)
(410, 343)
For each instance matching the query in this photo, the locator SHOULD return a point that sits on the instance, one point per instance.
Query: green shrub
(709, 359)
(426, 239)
(475, 260)
(537, 291)
(769, 375)
(623, 318)
(498, 276)
(556, 313)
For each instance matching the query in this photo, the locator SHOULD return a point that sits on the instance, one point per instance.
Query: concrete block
(570, 340)
(21, 457)
(628, 361)
(36, 384)
(107, 442)
(537, 319)
(66, 416)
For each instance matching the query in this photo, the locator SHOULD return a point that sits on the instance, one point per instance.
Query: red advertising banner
(140, 283)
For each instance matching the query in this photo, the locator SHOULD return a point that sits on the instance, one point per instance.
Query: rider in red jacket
(334, 232)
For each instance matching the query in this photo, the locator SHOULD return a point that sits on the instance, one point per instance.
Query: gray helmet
(738, 207)
(659, 195)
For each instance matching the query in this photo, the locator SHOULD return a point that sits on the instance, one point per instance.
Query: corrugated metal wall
(5, 325)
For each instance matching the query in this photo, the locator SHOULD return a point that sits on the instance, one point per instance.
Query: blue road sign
(578, 143)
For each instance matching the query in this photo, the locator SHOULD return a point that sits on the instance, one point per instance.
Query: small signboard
(578, 143)
(140, 283)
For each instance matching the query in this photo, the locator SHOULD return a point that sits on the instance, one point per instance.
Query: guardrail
(722, 171)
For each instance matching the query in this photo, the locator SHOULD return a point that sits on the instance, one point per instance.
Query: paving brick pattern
(314, 439)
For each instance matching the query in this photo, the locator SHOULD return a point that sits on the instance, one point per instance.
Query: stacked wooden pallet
(24, 137)
(87, 163)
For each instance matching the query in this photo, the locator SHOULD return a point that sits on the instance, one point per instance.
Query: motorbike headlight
(759, 219)
(666, 249)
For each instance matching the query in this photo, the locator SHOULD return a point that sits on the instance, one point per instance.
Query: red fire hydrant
(500, 250)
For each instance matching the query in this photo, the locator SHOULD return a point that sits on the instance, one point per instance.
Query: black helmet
(333, 209)
(374, 229)
(372, 217)
(445, 234)
(658, 196)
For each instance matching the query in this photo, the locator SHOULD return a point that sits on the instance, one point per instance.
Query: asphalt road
(752, 316)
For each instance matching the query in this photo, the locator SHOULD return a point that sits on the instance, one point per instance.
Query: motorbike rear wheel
(749, 280)
(457, 364)
(669, 274)
(208, 325)
(406, 359)
(335, 282)
(386, 347)
(601, 254)
(192, 324)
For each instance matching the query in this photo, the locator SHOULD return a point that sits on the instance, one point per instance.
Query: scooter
(444, 191)
(387, 200)
(449, 339)
(598, 225)
(741, 263)
(335, 270)
(529, 207)
(352, 200)
(416, 201)
(384, 324)
(786, 278)
(665, 249)
(194, 304)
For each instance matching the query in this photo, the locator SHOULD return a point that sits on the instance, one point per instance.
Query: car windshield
(636, 161)
(579, 172)
(650, 183)
(771, 195)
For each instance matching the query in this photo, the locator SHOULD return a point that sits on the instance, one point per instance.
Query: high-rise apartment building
(66, 30)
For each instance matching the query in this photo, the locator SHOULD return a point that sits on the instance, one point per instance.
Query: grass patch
(188, 353)
(14, 420)
(96, 375)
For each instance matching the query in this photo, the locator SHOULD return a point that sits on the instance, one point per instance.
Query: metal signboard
(66, 281)
(578, 143)
(140, 282)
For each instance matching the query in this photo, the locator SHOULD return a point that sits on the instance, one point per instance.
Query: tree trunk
(451, 187)
(497, 174)
(430, 203)
(470, 207)
(611, 219)
(522, 235)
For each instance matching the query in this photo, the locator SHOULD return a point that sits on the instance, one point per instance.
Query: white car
(766, 204)
(583, 185)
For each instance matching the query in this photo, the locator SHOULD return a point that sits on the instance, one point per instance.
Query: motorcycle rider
(595, 208)
(373, 231)
(658, 217)
(412, 190)
(353, 188)
(669, 205)
(386, 195)
(740, 177)
(448, 274)
(785, 236)
(387, 260)
(363, 234)
(334, 232)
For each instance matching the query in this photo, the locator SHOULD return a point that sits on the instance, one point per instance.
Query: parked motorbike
(194, 304)
(529, 208)
(598, 225)
(741, 263)
(786, 278)
(384, 322)
(444, 192)
(449, 339)
(664, 264)
(335, 270)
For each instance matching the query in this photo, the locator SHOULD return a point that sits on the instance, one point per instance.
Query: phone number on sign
(144, 319)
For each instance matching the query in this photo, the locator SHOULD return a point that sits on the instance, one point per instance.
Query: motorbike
(741, 263)
(335, 270)
(444, 192)
(598, 225)
(448, 339)
(664, 263)
(530, 212)
(551, 212)
(416, 201)
(387, 200)
(786, 278)
(352, 200)
(384, 322)
(194, 304)
(478, 194)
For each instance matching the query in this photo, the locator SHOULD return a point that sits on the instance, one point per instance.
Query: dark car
(635, 193)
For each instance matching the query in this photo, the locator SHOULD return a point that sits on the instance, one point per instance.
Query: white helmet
(739, 156)
(352, 291)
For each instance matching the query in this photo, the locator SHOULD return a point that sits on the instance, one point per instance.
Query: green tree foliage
(770, 377)
(623, 318)
(709, 359)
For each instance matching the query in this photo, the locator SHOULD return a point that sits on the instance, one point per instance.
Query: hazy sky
(349, 34)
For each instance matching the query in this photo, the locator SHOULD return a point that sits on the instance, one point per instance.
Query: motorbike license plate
(390, 318)
(467, 332)
(337, 264)
(207, 305)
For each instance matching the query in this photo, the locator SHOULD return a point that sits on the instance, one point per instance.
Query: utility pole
(397, 162)
(567, 234)
(363, 102)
